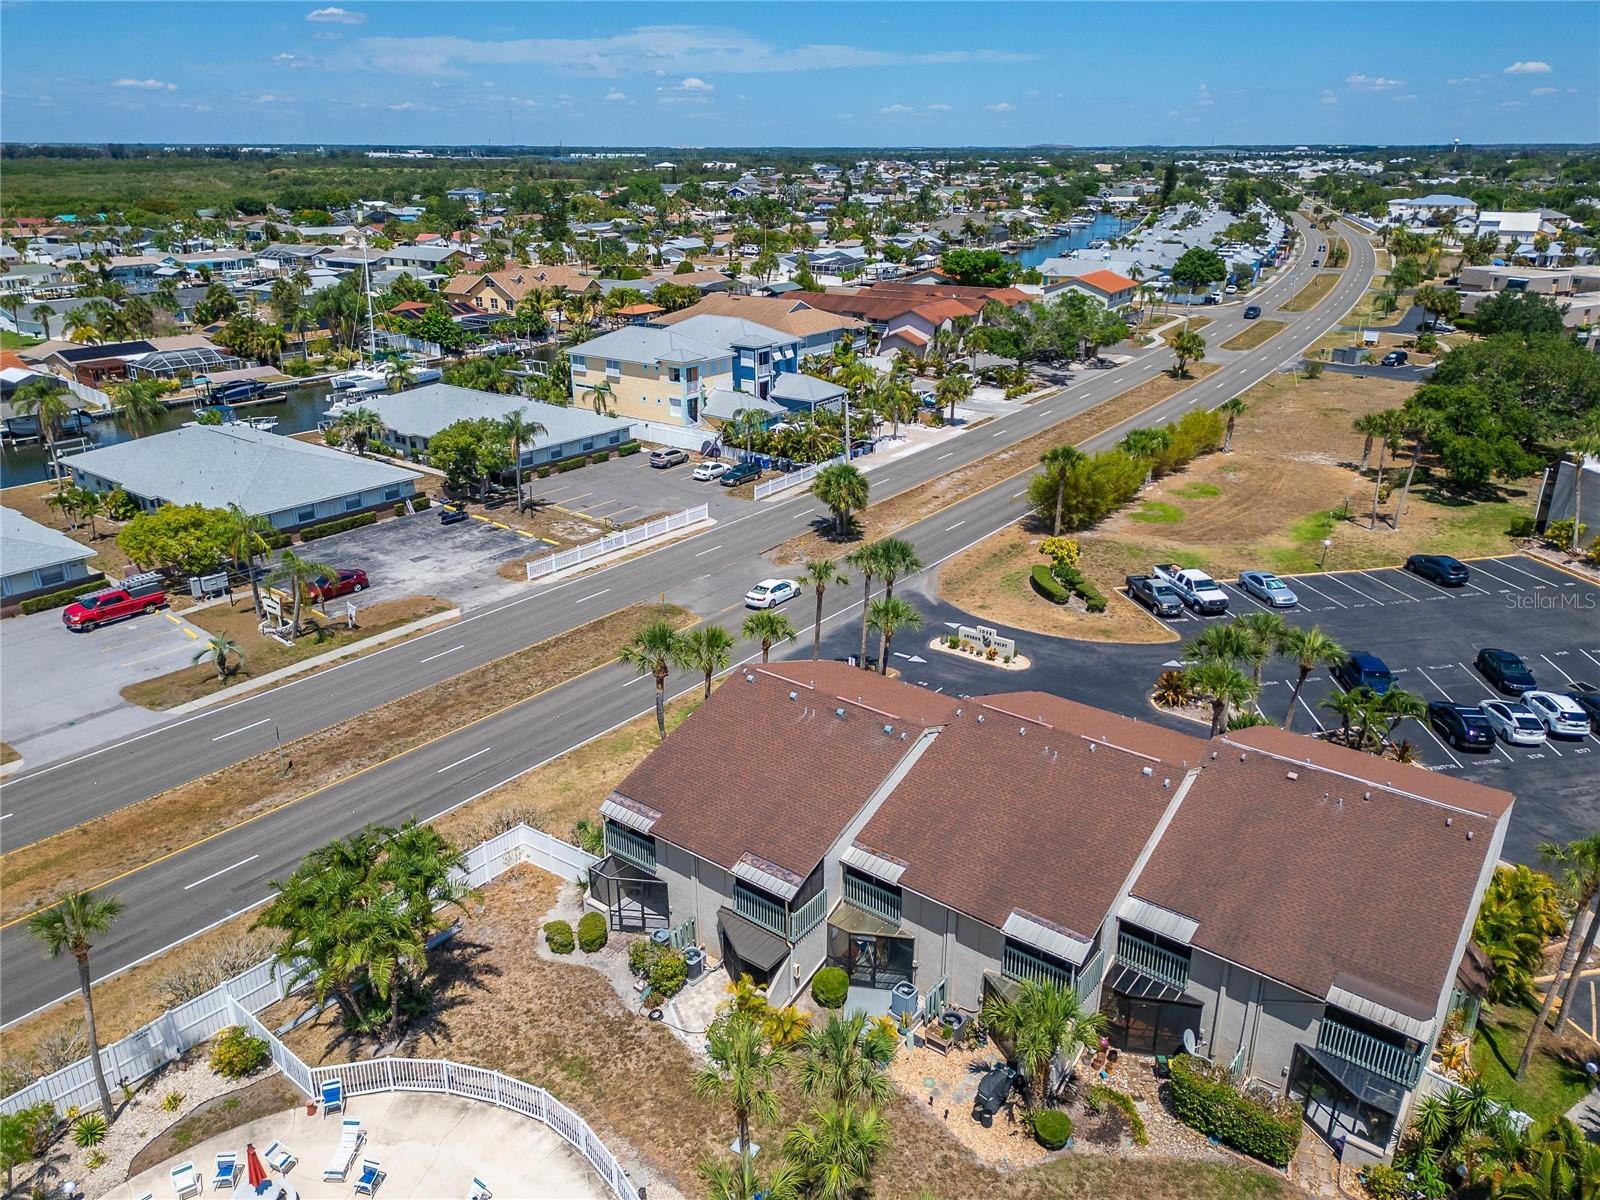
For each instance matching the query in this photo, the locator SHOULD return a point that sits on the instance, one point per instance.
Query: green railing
(633, 847)
(1017, 963)
(1150, 959)
(808, 916)
(768, 914)
(1376, 1055)
(933, 1003)
(1088, 975)
(683, 936)
(872, 897)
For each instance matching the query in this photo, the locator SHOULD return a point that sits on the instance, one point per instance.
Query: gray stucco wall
(1243, 1008)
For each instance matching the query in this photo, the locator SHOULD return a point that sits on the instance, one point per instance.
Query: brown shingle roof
(782, 314)
(870, 307)
(518, 281)
(1330, 865)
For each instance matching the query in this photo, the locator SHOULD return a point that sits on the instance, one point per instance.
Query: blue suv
(1364, 670)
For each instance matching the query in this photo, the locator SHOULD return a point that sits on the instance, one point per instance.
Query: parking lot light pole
(1327, 543)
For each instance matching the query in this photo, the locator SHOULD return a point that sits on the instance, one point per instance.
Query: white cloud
(293, 61)
(147, 85)
(615, 96)
(1462, 80)
(266, 98)
(1515, 104)
(1003, 106)
(524, 102)
(403, 106)
(938, 108)
(1409, 96)
(1372, 83)
(1531, 67)
(666, 50)
(1205, 99)
(692, 84)
(336, 16)
(1545, 91)
(897, 108)
(1329, 96)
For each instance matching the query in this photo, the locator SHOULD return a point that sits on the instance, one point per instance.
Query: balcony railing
(1017, 963)
(630, 846)
(934, 1001)
(768, 914)
(1150, 959)
(1088, 975)
(1376, 1055)
(872, 897)
(807, 917)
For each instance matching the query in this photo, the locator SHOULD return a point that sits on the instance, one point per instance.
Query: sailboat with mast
(367, 376)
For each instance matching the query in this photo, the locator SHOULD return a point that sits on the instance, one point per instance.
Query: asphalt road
(176, 896)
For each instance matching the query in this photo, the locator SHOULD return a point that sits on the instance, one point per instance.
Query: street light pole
(1326, 544)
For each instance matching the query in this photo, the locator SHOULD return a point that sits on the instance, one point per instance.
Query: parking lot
(628, 490)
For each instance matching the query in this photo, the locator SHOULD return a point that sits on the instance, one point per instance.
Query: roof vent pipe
(794, 695)
(1146, 772)
(1292, 774)
(888, 728)
(838, 712)
(1469, 835)
(1449, 821)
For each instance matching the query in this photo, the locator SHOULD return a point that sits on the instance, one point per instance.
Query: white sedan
(770, 593)
(1514, 722)
(710, 469)
(1562, 715)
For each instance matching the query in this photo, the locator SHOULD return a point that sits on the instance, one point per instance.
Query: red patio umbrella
(257, 1173)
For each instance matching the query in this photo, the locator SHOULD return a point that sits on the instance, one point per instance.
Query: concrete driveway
(626, 490)
(60, 692)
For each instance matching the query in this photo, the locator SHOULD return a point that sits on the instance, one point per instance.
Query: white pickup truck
(1199, 591)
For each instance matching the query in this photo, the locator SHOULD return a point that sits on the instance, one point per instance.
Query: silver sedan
(1267, 588)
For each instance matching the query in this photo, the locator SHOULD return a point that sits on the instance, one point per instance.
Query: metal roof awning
(753, 944)
(850, 919)
(1125, 981)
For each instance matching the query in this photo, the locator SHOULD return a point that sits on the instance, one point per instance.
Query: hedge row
(1058, 585)
(277, 541)
(328, 528)
(418, 504)
(1205, 1098)
(627, 448)
(63, 597)
(1048, 586)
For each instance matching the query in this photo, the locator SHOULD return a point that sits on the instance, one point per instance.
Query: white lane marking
(1310, 712)
(957, 525)
(1015, 495)
(1497, 578)
(1557, 666)
(1390, 586)
(637, 679)
(703, 553)
(1500, 562)
(241, 729)
(1234, 587)
(591, 595)
(1428, 726)
(1340, 580)
(944, 456)
(224, 871)
(1000, 433)
(1301, 580)
(1590, 657)
(468, 758)
(4, 816)
(441, 654)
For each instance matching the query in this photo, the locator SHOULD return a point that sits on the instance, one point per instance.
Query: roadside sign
(350, 614)
(272, 606)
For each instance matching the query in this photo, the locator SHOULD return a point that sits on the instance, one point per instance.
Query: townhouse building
(1292, 909)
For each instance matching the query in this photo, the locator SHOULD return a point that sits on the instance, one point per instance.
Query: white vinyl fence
(178, 1029)
(84, 392)
(589, 551)
(793, 479)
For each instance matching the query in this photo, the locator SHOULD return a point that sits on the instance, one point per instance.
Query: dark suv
(1364, 670)
(1440, 568)
(740, 473)
(1466, 727)
(1506, 671)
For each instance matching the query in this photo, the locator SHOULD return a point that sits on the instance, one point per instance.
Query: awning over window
(753, 944)
(1125, 981)
(1366, 1086)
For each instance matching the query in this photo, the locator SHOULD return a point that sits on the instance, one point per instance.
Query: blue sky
(799, 73)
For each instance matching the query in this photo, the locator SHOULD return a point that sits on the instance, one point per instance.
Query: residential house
(411, 418)
(23, 278)
(289, 482)
(1434, 209)
(818, 331)
(35, 559)
(436, 257)
(1110, 288)
(1297, 910)
(502, 291)
(900, 318)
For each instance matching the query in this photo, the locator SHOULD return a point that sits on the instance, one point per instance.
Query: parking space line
(1590, 657)
(1303, 583)
(1497, 578)
(1430, 583)
(1310, 712)
(1500, 562)
(1342, 582)
(1436, 738)
(1557, 666)
(1233, 587)
(1391, 587)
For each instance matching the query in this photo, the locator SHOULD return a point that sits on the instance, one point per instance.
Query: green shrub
(277, 541)
(328, 528)
(172, 1102)
(1102, 1096)
(570, 464)
(1384, 1182)
(642, 956)
(61, 598)
(237, 1053)
(669, 973)
(418, 504)
(600, 456)
(120, 506)
(558, 936)
(628, 448)
(1205, 1098)
(1092, 596)
(89, 1130)
(1048, 586)
(829, 987)
(1053, 1128)
(1558, 534)
(592, 932)
(543, 472)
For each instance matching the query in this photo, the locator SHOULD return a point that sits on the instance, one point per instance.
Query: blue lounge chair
(227, 1172)
(480, 1190)
(332, 1096)
(371, 1177)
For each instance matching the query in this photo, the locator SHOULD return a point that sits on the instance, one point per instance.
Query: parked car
(1232, 289)
(1514, 722)
(1252, 311)
(1364, 670)
(452, 514)
(670, 457)
(740, 473)
(1439, 568)
(1395, 358)
(709, 469)
(1562, 715)
(1199, 591)
(136, 594)
(1464, 726)
(1268, 588)
(347, 581)
(770, 593)
(1506, 671)
(1160, 598)
(1587, 697)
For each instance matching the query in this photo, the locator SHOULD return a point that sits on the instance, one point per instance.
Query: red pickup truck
(137, 594)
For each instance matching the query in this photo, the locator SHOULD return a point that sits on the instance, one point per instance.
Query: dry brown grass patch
(1311, 295)
(1261, 330)
(8, 754)
(29, 500)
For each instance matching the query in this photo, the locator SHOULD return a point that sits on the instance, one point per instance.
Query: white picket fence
(153, 1046)
(793, 479)
(589, 551)
(92, 394)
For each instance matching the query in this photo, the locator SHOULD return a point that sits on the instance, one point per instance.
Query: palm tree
(1586, 444)
(1309, 648)
(819, 575)
(399, 374)
(90, 505)
(1580, 879)
(217, 649)
(1225, 642)
(1041, 1020)
(43, 314)
(1234, 407)
(298, 573)
(246, 537)
(743, 1069)
(739, 1180)
(1388, 425)
(141, 406)
(1224, 686)
(845, 1060)
(895, 400)
(767, 626)
(358, 427)
(652, 651)
(46, 403)
(708, 649)
(600, 396)
(1058, 463)
(1266, 632)
(888, 616)
(520, 429)
(1370, 426)
(844, 489)
(866, 559)
(1351, 708)
(954, 388)
(897, 557)
(836, 1150)
(1397, 705)
(745, 426)
(69, 926)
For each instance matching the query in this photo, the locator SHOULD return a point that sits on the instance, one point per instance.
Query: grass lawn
(16, 341)
(263, 655)
(1157, 512)
(1259, 331)
(1556, 1079)
(1311, 295)
(1333, 244)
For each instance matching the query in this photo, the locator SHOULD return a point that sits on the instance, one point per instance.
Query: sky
(799, 74)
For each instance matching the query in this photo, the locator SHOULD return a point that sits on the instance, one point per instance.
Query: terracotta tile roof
(911, 334)
(1106, 281)
(784, 314)
(1009, 296)
(870, 307)
(1324, 864)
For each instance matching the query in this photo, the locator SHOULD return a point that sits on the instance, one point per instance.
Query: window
(49, 576)
(694, 375)
(391, 493)
(614, 438)
(675, 374)
(588, 445)
(578, 363)
(613, 367)
(351, 503)
(304, 515)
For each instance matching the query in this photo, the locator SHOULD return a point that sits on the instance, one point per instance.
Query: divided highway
(176, 896)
